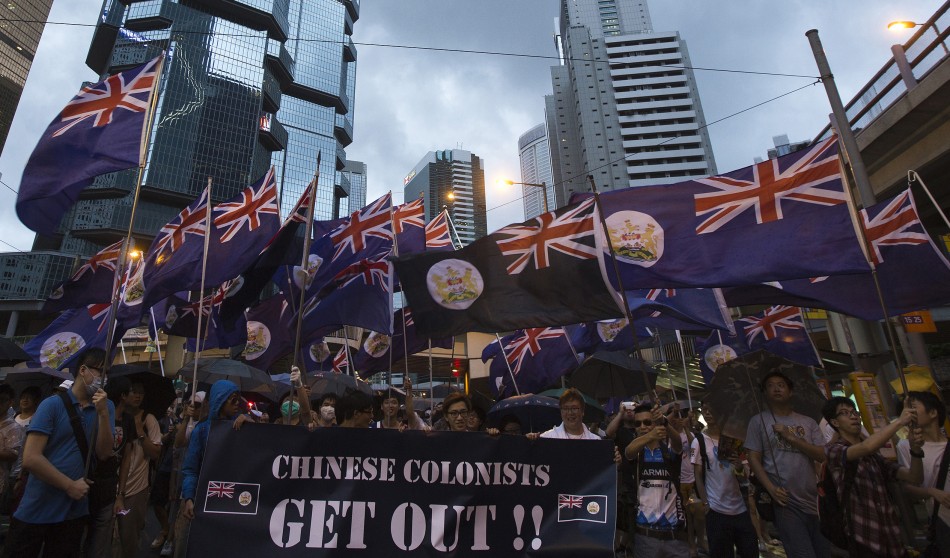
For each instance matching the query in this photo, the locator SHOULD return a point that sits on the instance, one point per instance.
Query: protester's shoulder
(46, 415)
(552, 433)
(834, 450)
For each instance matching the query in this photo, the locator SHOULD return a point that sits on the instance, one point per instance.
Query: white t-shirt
(933, 453)
(559, 432)
(722, 486)
(687, 475)
(138, 467)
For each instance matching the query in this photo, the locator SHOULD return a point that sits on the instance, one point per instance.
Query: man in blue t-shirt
(54, 508)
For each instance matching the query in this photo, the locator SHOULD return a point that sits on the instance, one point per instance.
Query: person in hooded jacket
(224, 404)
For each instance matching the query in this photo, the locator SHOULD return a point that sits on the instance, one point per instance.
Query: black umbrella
(735, 397)
(159, 390)
(613, 374)
(536, 413)
(247, 378)
(338, 384)
(11, 352)
(45, 378)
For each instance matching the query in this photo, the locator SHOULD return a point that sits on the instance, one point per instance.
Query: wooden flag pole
(158, 345)
(623, 292)
(201, 292)
(127, 243)
(511, 373)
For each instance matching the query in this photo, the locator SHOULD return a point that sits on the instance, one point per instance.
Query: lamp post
(904, 24)
(543, 186)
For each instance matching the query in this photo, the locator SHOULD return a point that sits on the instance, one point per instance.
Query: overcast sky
(409, 102)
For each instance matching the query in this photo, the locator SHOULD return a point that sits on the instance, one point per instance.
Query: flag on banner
(101, 130)
(912, 271)
(437, 233)
(682, 309)
(719, 348)
(285, 247)
(232, 498)
(581, 508)
(785, 218)
(380, 351)
(537, 356)
(90, 284)
(781, 331)
(547, 271)
(270, 330)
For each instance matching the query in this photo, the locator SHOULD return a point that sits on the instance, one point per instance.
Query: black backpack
(833, 513)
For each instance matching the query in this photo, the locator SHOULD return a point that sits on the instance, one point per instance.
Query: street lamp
(905, 24)
(543, 186)
(450, 196)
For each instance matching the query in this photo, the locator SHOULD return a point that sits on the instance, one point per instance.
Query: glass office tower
(247, 84)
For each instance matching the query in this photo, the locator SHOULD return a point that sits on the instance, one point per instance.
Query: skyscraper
(355, 173)
(625, 107)
(245, 86)
(535, 155)
(21, 26)
(454, 178)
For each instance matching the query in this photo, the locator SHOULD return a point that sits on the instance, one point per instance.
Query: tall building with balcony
(534, 153)
(452, 178)
(625, 108)
(246, 85)
(21, 26)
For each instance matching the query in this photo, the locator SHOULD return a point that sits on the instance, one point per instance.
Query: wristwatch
(919, 454)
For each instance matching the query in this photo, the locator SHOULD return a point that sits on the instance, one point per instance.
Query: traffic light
(456, 367)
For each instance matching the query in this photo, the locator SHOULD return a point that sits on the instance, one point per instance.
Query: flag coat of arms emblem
(101, 130)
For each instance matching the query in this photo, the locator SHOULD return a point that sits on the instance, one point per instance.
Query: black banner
(273, 490)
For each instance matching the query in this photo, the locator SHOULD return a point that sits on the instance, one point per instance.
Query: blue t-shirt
(44, 503)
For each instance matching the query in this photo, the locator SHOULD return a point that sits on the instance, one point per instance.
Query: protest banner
(272, 490)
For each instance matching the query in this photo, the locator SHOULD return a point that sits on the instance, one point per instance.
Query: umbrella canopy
(11, 352)
(613, 373)
(339, 384)
(382, 391)
(593, 411)
(735, 397)
(45, 378)
(248, 378)
(537, 413)
(159, 391)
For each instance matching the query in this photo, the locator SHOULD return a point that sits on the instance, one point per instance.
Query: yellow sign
(919, 322)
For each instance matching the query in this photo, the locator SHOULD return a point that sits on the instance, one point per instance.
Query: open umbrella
(11, 352)
(536, 413)
(45, 378)
(159, 391)
(735, 397)
(593, 411)
(339, 384)
(248, 378)
(613, 373)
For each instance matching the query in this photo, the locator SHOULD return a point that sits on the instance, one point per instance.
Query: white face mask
(327, 413)
(93, 386)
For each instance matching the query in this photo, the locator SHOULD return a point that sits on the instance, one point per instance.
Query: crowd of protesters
(684, 489)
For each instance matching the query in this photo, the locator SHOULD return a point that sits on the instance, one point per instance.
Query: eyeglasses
(849, 413)
(571, 409)
(457, 414)
(646, 422)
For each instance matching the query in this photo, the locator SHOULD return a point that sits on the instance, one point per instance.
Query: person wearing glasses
(572, 425)
(356, 408)
(455, 409)
(657, 453)
(54, 508)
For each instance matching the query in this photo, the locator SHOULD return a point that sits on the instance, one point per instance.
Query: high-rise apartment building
(452, 178)
(355, 173)
(625, 108)
(535, 155)
(21, 26)
(246, 85)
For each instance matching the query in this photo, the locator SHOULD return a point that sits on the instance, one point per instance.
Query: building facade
(355, 173)
(21, 26)
(452, 178)
(625, 108)
(534, 152)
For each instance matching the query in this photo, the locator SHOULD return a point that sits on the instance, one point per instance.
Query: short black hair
(830, 408)
(930, 402)
(117, 387)
(643, 408)
(7, 392)
(33, 391)
(454, 398)
(777, 374)
(352, 402)
(326, 397)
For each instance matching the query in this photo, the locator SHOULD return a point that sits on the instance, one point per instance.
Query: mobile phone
(123, 512)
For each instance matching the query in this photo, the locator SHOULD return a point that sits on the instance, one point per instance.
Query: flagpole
(127, 243)
(158, 345)
(431, 381)
(201, 292)
(511, 373)
(689, 396)
(669, 371)
(623, 291)
(304, 261)
(573, 352)
(913, 176)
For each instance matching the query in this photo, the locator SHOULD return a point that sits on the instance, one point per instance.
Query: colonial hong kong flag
(913, 272)
(380, 351)
(785, 218)
(239, 498)
(571, 507)
(100, 130)
(536, 357)
(409, 225)
(360, 296)
(682, 309)
(437, 233)
(719, 348)
(270, 331)
(92, 283)
(781, 331)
